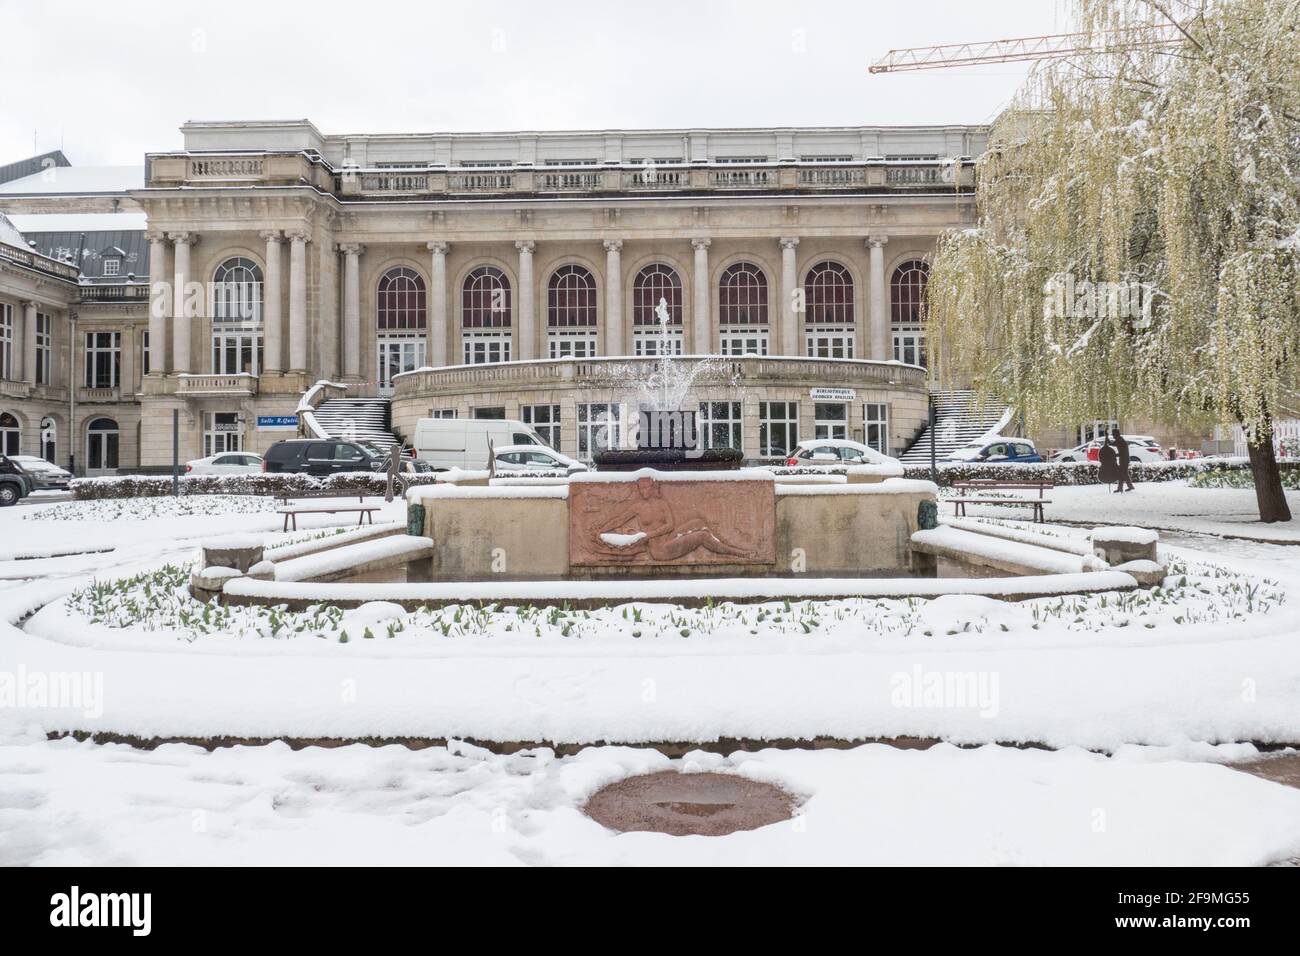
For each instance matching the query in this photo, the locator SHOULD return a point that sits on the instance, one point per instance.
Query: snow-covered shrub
(1078, 472)
(152, 486)
(374, 482)
(1236, 477)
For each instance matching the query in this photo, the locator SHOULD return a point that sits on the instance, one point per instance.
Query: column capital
(156, 235)
(789, 242)
(351, 248)
(526, 245)
(438, 247)
(613, 245)
(271, 235)
(702, 243)
(297, 235)
(183, 238)
(877, 242)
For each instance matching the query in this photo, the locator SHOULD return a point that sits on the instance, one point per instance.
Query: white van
(463, 442)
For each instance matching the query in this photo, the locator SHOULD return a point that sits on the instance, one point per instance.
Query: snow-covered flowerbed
(156, 610)
(143, 509)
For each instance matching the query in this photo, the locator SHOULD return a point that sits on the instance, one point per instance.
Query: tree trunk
(1269, 493)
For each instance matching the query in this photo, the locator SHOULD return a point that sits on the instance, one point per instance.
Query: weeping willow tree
(1137, 247)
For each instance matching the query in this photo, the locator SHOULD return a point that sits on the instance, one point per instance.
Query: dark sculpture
(1125, 458)
(1109, 461)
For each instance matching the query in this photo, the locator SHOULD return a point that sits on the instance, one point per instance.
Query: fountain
(667, 436)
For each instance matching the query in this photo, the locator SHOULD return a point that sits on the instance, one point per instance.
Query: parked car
(1140, 448)
(463, 442)
(45, 475)
(15, 483)
(1002, 451)
(227, 463)
(835, 453)
(321, 457)
(535, 458)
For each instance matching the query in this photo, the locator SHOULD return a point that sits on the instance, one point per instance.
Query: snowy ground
(76, 804)
(1216, 662)
(1166, 505)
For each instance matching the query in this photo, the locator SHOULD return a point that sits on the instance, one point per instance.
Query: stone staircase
(959, 421)
(358, 419)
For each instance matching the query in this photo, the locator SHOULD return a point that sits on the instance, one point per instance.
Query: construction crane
(1050, 47)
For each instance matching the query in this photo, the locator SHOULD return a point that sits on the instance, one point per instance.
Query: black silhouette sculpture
(1109, 460)
(1122, 451)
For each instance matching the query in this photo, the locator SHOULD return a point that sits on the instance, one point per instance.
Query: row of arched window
(743, 296)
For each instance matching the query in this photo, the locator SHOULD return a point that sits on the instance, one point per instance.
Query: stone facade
(318, 222)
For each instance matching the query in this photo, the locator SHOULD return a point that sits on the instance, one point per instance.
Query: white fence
(1286, 439)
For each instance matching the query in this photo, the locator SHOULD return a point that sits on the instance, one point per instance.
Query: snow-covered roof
(77, 180)
(79, 221)
(10, 234)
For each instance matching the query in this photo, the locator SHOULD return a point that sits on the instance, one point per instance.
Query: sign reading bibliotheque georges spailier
(833, 394)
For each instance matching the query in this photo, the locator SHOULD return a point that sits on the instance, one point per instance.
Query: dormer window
(112, 267)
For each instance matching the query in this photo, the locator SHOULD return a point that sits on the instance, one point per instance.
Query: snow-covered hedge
(1088, 472)
(152, 486)
(1242, 478)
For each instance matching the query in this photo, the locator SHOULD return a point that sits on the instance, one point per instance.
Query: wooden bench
(361, 494)
(992, 484)
(365, 513)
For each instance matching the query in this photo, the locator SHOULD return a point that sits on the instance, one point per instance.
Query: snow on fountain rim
(719, 589)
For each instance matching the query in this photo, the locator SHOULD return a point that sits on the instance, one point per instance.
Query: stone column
(702, 327)
(878, 321)
(272, 327)
(181, 321)
(159, 304)
(351, 311)
(789, 333)
(24, 345)
(298, 302)
(527, 306)
(436, 347)
(614, 297)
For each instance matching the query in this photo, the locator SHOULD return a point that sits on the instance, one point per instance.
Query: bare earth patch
(689, 804)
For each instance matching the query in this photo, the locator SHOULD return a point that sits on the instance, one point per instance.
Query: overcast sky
(109, 81)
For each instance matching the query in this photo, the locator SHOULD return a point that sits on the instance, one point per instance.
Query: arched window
(401, 301)
(485, 316)
(828, 317)
(742, 310)
(49, 437)
(101, 446)
(907, 311)
(10, 435)
(237, 292)
(237, 318)
(907, 294)
(485, 299)
(400, 320)
(656, 282)
(571, 312)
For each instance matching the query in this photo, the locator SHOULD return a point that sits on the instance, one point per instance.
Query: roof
(94, 245)
(32, 164)
(79, 221)
(77, 180)
(10, 234)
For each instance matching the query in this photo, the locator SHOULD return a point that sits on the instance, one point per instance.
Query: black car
(320, 457)
(15, 484)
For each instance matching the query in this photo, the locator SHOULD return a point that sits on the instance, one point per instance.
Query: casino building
(360, 282)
